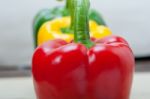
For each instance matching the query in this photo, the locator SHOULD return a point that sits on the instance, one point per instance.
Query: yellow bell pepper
(52, 30)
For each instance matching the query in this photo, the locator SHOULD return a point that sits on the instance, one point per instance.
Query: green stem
(80, 20)
(71, 10)
(67, 4)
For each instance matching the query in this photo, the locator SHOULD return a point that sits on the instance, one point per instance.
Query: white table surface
(22, 88)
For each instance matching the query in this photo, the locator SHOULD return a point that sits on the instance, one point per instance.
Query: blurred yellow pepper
(53, 30)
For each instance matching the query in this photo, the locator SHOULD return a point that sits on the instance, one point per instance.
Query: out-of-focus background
(127, 18)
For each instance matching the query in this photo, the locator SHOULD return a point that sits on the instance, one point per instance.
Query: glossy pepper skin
(84, 69)
(71, 71)
(49, 14)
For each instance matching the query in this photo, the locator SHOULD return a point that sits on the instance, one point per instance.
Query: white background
(128, 18)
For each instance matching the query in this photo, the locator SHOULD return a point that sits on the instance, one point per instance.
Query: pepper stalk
(71, 8)
(80, 20)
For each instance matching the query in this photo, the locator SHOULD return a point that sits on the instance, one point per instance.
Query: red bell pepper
(83, 69)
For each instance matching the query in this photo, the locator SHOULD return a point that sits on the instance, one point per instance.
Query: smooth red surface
(71, 71)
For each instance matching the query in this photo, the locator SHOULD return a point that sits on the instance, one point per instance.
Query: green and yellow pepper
(53, 30)
(46, 15)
